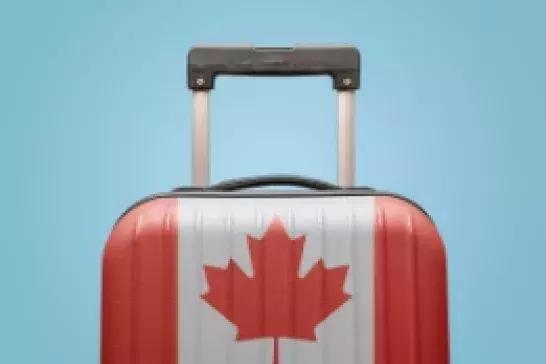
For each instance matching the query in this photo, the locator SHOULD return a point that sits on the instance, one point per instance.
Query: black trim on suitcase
(237, 184)
(233, 188)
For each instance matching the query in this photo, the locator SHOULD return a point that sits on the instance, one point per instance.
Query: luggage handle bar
(340, 62)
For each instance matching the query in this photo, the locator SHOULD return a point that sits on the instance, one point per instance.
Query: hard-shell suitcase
(229, 274)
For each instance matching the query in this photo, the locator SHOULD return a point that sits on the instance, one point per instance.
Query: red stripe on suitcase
(411, 301)
(139, 298)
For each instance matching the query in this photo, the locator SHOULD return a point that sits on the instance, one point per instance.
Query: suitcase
(229, 273)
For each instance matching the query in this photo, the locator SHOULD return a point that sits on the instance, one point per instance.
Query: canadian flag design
(352, 280)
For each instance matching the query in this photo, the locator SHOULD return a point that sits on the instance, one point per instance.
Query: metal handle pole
(346, 138)
(201, 139)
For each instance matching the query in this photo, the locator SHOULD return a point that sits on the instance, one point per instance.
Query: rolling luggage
(222, 274)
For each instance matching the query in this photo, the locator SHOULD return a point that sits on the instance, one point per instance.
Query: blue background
(95, 114)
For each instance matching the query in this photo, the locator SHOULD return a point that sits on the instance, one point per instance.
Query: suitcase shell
(349, 276)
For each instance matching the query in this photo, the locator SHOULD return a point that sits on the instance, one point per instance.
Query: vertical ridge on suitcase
(139, 304)
(411, 286)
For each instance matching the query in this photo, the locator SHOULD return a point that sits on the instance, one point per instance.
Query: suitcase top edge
(193, 192)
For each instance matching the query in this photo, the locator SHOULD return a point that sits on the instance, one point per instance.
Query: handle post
(346, 159)
(201, 139)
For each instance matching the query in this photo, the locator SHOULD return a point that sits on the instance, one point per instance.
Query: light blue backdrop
(95, 114)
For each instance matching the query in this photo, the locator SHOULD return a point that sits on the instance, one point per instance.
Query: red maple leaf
(275, 302)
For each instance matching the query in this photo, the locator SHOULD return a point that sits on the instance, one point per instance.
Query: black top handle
(341, 62)
(237, 184)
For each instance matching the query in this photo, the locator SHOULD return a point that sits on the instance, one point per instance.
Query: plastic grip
(342, 63)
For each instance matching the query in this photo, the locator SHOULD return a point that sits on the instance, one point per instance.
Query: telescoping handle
(205, 63)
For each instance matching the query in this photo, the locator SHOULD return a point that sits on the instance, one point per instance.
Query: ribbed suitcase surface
(275, 280)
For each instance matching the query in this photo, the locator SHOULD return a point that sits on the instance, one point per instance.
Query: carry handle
(342, 63)
(236, 184)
